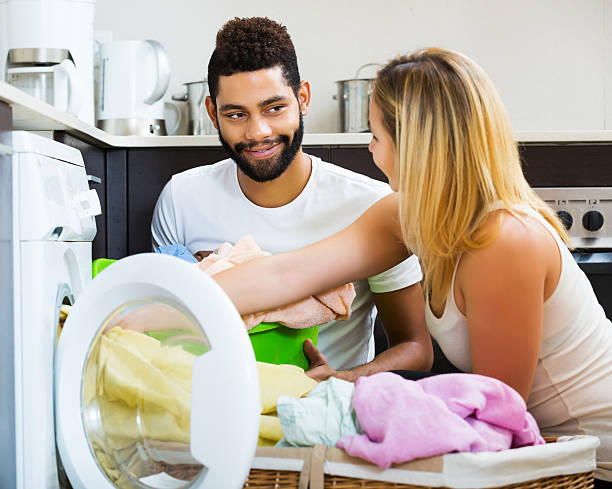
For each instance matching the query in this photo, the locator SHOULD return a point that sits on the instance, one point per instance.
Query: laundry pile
(324, 416)
(141, 392)
(388, 419)
(142, 389)
(334, 304)
(275, 383)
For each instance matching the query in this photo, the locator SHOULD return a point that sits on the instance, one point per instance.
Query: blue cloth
(324, 416)
(179, 251)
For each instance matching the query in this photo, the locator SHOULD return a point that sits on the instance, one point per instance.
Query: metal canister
(195, 96)
(353, 102)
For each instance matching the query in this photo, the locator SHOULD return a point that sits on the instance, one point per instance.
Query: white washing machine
(53, 226)
(153, 381)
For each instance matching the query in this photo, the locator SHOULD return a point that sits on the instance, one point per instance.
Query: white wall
(550, 59)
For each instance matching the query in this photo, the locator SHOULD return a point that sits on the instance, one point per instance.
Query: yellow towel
(143, 390)
(270, 430)
(278, 380)
(137, 370)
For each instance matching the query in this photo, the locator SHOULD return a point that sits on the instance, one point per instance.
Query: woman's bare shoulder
(514, 231)
(516, 239)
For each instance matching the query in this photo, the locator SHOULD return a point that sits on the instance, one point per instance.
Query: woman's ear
(303, 96)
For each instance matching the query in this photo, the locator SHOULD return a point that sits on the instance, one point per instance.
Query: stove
(586, 213)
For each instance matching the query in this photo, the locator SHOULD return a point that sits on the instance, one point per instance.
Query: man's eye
(276, 108)
(235, 115)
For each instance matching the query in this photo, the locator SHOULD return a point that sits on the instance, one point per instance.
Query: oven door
(597, 265)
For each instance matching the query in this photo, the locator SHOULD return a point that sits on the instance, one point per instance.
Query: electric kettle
(134, 77)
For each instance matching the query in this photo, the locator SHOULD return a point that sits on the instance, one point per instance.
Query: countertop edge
(31, 114)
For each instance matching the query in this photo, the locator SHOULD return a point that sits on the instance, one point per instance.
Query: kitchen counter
(31, 114)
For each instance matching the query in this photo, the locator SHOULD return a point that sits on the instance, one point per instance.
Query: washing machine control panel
(55, 200)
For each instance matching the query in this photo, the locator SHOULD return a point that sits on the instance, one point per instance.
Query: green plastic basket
(272, 342)
(100, 264)
(173, 336)
(275, 343)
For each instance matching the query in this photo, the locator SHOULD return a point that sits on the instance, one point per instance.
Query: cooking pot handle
(366, 66)
(163, 72)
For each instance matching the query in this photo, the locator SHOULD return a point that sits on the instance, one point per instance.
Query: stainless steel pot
(199, 122)
(354, 97)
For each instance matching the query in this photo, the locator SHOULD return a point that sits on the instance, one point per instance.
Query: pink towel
(404, 419)
(312, 311)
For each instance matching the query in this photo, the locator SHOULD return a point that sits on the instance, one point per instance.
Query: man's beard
(270, 168)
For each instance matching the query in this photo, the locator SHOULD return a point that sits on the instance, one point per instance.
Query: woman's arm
(502, 289)
(369, 246)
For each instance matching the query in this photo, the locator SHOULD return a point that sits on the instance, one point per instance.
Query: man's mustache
(238, 147)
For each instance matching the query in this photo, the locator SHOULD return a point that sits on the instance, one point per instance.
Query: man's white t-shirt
(204, 207)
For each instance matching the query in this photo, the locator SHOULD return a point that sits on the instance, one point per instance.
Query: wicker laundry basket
(563, 463)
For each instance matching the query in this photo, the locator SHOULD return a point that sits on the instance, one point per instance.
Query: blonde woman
(504, 296)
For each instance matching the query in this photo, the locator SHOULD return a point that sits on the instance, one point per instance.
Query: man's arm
(163, 223)
(403, 315)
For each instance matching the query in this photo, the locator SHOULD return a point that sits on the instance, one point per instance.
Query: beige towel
(312, 311)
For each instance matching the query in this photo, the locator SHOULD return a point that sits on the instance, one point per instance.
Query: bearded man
(286, 199)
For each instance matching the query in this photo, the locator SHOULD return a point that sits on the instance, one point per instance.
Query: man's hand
(200, 255)
(319, 368)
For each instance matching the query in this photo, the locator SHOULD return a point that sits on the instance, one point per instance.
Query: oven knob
(593, 220)
(566, 219)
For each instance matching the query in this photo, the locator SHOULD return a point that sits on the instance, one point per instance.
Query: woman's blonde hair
(456, 159)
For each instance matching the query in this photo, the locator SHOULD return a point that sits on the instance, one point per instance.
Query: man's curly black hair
(252, 44)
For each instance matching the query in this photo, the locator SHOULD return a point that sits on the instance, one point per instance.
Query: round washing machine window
(137, 395)
(156, 383)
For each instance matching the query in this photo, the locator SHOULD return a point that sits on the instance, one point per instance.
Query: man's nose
(257, 129)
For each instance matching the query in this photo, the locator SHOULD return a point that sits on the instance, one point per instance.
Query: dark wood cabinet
(357, 159)
(567, 165)
(148, 170)
(132, 179)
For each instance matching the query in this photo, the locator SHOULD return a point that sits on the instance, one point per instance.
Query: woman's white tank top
(572, 388)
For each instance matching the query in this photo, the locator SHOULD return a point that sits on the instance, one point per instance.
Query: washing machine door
(156, 383)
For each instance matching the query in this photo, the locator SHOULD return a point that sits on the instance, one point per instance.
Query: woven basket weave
(260, 478)
(270, 479)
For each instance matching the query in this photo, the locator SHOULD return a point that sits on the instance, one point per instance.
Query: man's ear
(303, 96)
(212, 111)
